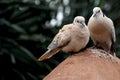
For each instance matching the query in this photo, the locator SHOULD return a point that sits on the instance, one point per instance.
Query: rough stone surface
(91, 64)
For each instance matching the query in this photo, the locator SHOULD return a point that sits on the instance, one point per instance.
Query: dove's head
(79, 21)
(97, 11)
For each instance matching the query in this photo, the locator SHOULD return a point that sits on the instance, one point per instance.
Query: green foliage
(28, 26)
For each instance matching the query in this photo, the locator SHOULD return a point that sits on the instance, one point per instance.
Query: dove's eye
(98, 11)
(78, 21)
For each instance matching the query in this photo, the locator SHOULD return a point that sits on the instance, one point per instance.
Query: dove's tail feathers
(112, 50)
(48, 54)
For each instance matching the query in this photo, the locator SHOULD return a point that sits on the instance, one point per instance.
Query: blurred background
(28, 26)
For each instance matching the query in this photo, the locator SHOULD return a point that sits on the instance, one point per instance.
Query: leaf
(13, 26)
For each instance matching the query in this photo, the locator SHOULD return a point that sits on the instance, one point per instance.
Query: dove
(102, 31)
(70, 39)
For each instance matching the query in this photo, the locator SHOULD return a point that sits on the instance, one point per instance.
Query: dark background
(28, 26)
